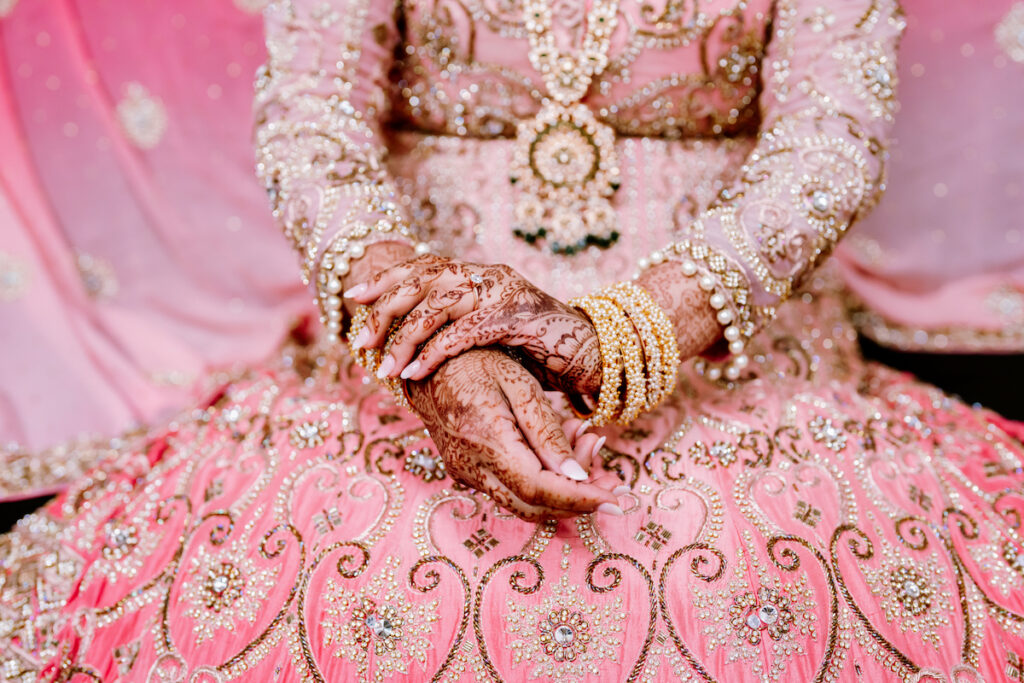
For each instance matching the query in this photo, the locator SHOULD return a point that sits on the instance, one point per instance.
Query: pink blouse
(355, 109)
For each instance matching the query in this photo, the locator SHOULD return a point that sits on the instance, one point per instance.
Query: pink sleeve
(826, 105)
(319, 105)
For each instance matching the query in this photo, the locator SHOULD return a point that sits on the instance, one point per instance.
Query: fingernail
(410, 369)
(354, 291)
(361, 338)
(386, 367)
(620, 490)
(600, 442)
(610, 509)
(580, 431)
(572, 469)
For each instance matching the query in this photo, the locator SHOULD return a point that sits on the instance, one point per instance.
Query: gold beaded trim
(349, 244)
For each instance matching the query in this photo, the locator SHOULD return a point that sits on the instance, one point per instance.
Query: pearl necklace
(564, 159)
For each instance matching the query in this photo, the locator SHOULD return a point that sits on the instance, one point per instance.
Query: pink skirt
(827, 520)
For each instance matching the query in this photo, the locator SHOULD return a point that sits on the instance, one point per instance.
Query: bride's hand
(497, 433)
(485, 305)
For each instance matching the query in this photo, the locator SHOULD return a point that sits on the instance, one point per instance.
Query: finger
(585, 449)
(574, 427)
(504, 453)
(465, 333)
(505, 498)
(422, 321)
(539, 423)
(610, 482)
(396, 302)
(369, 291)
(507, 454)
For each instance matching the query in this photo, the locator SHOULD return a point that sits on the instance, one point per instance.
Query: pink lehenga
(819, 519)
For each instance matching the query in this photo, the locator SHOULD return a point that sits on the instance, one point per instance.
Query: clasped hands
(488, 414)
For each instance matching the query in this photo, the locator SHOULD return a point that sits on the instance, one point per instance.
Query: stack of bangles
(639, 352)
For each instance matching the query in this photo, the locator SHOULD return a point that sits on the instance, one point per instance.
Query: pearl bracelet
(728, 295)
(347, 246)
(609, 401)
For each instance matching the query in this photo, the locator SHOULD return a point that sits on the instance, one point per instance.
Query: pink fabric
(947, 238)
(769, 533)
(161, 214)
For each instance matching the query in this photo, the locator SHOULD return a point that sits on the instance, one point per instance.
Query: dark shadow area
(996, 381)
(10, 513)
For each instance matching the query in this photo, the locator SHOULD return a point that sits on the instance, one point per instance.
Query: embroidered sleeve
(319, 103)
(827, 103)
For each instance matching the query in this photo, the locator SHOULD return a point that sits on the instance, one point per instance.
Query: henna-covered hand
(458, 305)
(498, 433)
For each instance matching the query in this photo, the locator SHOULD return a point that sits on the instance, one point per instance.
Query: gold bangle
(609, 401)
(635, 394)
(657, 335)
(370, 359)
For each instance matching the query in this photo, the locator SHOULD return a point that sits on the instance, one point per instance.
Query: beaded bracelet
(347, 246)
(609, 398)
(635, 399)
(370, 359)
(660, 347)
(727, 295)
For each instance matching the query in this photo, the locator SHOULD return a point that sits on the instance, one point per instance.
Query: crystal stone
(219, 584)
(564, 635)
(381, 627)
(911, 588)
(769, 614)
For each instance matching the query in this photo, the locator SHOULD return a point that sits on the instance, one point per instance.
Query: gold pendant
(567, 171)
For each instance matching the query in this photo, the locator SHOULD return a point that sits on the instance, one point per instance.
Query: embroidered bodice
(676, 69)
(754, 133)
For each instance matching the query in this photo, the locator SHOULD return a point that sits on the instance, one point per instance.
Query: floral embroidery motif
(823, 431)
(719, 453)
(565, 637)
(378, 620)
(380, 627)
(739, 616)
(424, 464)
(1010, 33)
(224, 588)
(872, 74)
(767, 612)
(309, 434)
(142, 115)
(14, 277)
(909, 593)
(911, 590)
